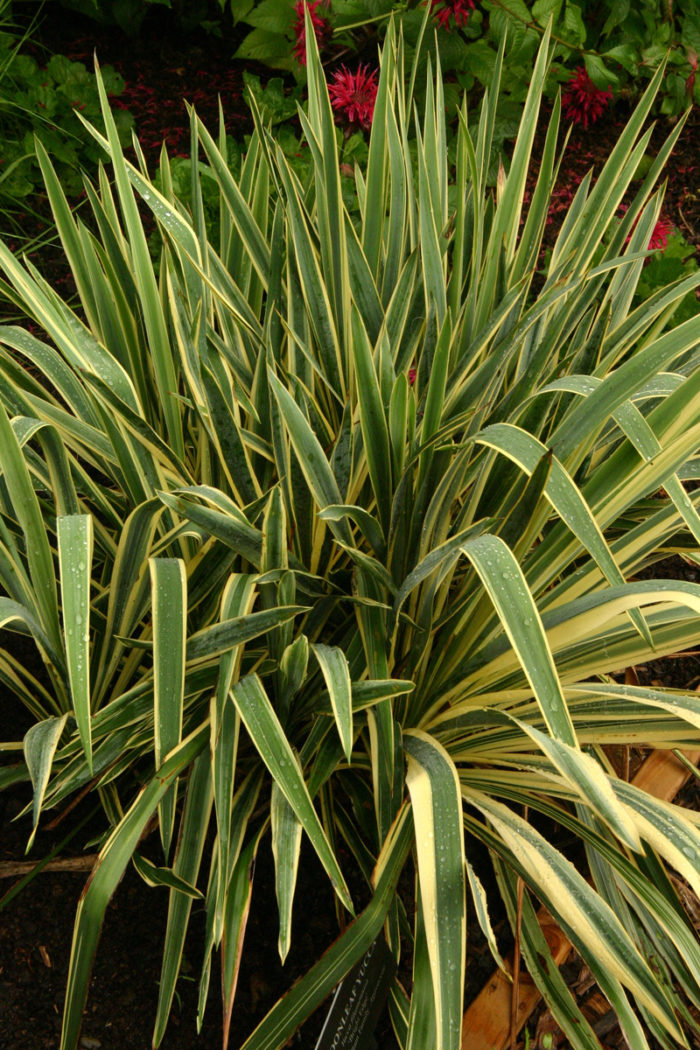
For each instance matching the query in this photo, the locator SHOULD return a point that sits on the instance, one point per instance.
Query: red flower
(412, 373)
(583, 102)
(321, 27)
(354, 94)
(659, 235)
(444, 10)
(690, 82)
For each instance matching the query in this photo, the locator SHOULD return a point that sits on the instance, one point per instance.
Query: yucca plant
(334, 513)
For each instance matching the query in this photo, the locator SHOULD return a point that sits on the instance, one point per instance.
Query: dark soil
(160, 68)
(36, 927)
(35, 939)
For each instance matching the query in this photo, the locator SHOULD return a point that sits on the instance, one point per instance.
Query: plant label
(358, 1001)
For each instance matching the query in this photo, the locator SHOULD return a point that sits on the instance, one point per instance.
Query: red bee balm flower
(444, 10)
(583, 102)
(659, 235)
(353, 94)
(321, 28)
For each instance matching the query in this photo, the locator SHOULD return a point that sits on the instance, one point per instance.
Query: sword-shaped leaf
(273, 747)
(220, 637)
(238, 897)
(436, 802)
(312, 459)
(193, 832)
(309, 992)
(542, 967)
(108, 871)
(564, 496)
(508, 590)
(666, 829)
(169, 604)
(75, 562)
(28, 512)
(286, 844)
(586, 776)
(238, 597)
(40, 743)
(375, 432)
(334, 666)
(587, 920)
(482, 913)
(152, 875)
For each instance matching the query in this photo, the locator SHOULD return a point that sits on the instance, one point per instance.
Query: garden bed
(36, 927)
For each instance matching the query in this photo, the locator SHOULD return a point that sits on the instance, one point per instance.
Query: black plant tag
(358, 1001)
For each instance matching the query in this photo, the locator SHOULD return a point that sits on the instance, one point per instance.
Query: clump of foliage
(618, 46)
(130, 15)
(333, 527)
(673, 259)
(42, 101)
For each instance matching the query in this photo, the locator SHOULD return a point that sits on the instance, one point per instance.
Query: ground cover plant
(598, 49)
(42, 98)
(330, 528)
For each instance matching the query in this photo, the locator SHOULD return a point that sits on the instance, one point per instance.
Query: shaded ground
(36, 926)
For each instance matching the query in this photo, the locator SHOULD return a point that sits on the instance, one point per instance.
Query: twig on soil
(11, 868)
